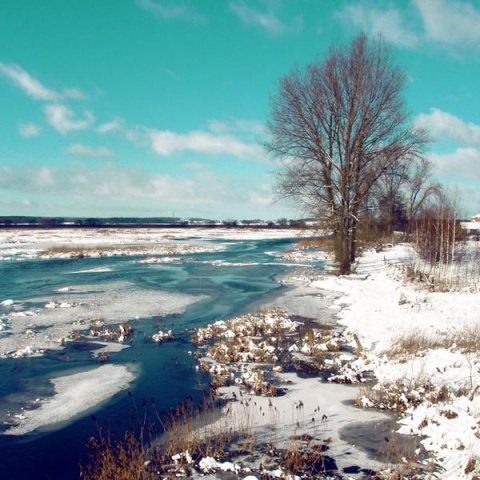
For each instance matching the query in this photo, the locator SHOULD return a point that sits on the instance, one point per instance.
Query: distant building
(473, 226)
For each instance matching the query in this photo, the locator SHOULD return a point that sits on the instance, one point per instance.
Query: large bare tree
(338, 126)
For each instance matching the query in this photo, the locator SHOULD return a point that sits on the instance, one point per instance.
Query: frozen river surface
(52, 397)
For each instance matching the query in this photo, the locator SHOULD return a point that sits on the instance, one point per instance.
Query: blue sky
(157, 107)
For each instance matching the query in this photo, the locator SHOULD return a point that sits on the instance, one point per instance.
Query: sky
(141, 108)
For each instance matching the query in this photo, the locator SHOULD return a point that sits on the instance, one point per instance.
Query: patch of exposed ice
(110, 302)
(95, 270)
(74, 396)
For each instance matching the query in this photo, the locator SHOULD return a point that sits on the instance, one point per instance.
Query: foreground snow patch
(75, 394)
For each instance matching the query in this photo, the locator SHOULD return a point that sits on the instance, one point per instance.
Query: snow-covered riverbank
(421, 346)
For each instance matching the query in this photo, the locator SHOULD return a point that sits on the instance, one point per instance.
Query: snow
(440, 383)
(80, 242)
(79, 308)
(74, 395)
(434, 388)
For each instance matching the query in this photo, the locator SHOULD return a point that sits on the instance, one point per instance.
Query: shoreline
(308, 407)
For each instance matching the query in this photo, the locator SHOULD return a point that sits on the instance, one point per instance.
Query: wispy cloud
(86, 151)
(445, 126)
(34, 88)
(74, 94)
(460, 165)
(63, 119)
(115, 125)
(267, 20)
(106, 186)
(374, 19)
(30, 85)
(28, 130)
(172, 11)
(166, 143)
(237, 126)
(451, 22)
(114, 182)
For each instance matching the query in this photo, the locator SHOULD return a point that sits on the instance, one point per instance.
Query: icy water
(217, 285)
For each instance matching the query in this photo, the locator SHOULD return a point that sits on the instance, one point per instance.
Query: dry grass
(403, 393)
(117, 459)
(99, 250)
(417, 342)
(468, 338)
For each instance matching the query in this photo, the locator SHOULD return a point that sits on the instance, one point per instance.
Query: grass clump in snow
(183, 450)
(417, 343)
(414, 343)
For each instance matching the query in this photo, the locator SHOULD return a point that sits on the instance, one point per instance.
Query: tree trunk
(343, 251)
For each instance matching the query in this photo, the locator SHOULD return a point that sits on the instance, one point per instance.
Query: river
(208, 286)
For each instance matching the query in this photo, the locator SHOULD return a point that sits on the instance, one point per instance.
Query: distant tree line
(66, 222)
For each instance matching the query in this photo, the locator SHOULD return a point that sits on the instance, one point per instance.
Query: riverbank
(419, 346)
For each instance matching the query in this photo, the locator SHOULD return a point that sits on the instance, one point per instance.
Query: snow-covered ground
(422, 347)
(72, 243)
(436, 383)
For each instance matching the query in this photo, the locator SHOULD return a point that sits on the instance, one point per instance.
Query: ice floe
(74, 396)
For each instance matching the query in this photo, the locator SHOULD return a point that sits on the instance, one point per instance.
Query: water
(205, 291)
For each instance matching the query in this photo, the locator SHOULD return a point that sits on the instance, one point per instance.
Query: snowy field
(435, 385)
(72, 243)
(422, 347)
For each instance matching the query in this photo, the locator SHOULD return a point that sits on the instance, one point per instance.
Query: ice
(95, 270)
(74, 396)
(326, 409)
(77, 308)
(38, 243)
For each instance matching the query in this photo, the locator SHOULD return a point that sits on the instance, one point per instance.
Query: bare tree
(420, 188)
(338, 126)
(389, 196)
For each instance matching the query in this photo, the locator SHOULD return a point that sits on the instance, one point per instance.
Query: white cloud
(166, 143)
(387, 22)
(28, 130)
(74, 94)
(172, 11)
(30, 85)
(34, 88)
(461, 164)
(445, 126)
(267, 21)
(452, 22)
(64, 121)
(107, 187)
(86, 151)
(110, 127)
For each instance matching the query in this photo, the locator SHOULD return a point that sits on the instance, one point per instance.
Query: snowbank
(435, 383)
